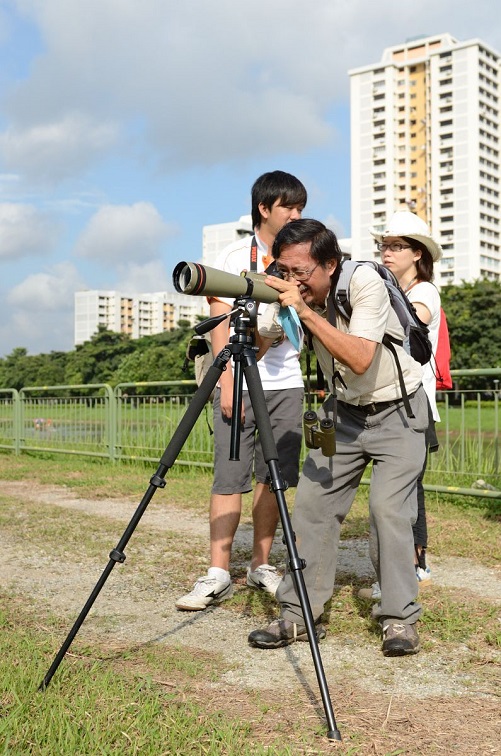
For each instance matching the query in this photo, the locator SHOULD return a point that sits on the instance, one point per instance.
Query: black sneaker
(400, 640)
(282, 632)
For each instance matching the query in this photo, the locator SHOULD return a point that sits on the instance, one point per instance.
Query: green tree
(157, 358)
(96, 360)
(474, 318)
(15, 369)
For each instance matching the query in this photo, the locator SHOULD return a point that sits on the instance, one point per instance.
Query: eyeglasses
(395, 247)
(298, 275)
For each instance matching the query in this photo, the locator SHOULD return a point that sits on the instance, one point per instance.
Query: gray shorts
(285, 408)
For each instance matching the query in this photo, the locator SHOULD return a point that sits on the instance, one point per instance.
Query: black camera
(272, 270)
(319, 434)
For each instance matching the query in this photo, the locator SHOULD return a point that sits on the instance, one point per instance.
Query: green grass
(152, 701)
(157, 699)
(107, 705)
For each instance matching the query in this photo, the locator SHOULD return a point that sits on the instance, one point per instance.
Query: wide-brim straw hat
(405, 223)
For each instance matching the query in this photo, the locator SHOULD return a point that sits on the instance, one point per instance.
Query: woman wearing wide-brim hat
(408, 249)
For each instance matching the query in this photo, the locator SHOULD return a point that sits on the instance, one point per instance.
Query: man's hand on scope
(290, 293)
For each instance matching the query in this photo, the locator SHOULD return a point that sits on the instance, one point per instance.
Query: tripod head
(241, 347)
(243, 316)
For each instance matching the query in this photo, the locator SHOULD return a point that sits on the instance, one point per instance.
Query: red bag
(443, 356)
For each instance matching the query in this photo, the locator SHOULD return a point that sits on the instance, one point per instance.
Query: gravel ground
(131, 610)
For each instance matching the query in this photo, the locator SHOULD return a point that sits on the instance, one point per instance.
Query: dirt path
(133, 610)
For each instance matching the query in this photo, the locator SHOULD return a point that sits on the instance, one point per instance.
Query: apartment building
(137, 315)
(425, 137)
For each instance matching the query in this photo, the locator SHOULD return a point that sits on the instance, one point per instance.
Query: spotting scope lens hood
(200, 280)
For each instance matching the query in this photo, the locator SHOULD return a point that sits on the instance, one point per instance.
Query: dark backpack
(416, 340)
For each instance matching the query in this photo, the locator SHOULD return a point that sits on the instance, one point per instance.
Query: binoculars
(319, 434)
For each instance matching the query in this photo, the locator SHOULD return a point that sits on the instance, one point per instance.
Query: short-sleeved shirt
(427, 294)
(372, 317)
(279, 368)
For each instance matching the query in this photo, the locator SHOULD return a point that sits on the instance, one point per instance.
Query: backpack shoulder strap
(340, 297)
(339, 301)
(341, 294)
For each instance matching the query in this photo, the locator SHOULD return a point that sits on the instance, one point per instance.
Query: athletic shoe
(265, 577)
(423, 576)
(400, 640)
(373, 593)
(282, 632)
(207, 590)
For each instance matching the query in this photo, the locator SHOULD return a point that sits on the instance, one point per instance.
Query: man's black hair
(324, 243)
(273, 186)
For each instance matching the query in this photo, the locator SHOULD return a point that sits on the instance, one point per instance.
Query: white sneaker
(265, 577)
(423, 576)
(206, 591)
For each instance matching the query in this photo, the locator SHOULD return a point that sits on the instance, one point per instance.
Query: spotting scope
(197, 279)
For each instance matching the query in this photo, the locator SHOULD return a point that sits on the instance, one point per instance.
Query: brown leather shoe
(281, 632)
(400, 640)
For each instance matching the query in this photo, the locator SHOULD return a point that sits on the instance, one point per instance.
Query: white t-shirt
(279, 368)
(427, 294)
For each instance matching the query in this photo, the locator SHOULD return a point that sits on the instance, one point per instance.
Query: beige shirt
(371, 318)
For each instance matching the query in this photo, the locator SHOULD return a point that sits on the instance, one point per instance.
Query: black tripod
(243, 351)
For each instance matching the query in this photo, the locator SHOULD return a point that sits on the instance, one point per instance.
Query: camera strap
(331, 403)
(308, 370)
(253, 255)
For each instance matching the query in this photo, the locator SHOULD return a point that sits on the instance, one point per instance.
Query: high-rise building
(137, 315)
(425, 137)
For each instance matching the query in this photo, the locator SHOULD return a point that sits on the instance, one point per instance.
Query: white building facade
(218, 235)
(136, 315)
(425, 137)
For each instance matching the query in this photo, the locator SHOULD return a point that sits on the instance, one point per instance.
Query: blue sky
(128, 125)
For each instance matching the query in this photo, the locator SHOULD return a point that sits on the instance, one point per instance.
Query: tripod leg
(169, 456)
(296, 564)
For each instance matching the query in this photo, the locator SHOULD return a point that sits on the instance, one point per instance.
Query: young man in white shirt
(277, 199)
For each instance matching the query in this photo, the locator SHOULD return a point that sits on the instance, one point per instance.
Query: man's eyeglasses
(395, 247)
(298, 275)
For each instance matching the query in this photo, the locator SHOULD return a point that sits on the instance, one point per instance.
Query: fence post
(110, 420)
(496, 429)
(17, 421)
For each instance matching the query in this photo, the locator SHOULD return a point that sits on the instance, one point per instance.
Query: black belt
(375, 407)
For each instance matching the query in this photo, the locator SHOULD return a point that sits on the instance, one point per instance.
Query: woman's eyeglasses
(395, 247)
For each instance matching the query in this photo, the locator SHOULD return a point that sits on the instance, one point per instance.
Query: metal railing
(135, 421)
(72, 419)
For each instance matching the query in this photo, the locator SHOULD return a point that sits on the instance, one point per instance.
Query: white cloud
(38, 313)
(260, 82)
(101, 99)
(335, 225)
(25, 231)
(118, 234)
(148, 277)
(56, 150)
(48, 291)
